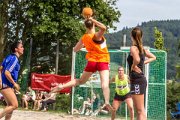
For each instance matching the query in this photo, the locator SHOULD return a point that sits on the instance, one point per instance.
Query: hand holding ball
(87, 12)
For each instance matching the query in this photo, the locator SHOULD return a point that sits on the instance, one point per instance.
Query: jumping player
(97, 58)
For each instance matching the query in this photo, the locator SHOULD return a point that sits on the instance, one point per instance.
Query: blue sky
(135, 12)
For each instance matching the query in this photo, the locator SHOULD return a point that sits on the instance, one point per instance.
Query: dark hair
(15, 45)
(88, 23)
(137, 34)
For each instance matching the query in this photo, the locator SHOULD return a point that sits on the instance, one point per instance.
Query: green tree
(159, 39)
(173, 95)
(45, 22)
(178, 64)
(62, 20)
(179, 48)
(178, 71)
(14, 25)
(171, 34)
(3, 26)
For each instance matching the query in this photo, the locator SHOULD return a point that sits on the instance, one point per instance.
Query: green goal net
(155, 100)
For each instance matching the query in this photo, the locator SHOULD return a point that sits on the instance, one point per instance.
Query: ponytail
(137, 33)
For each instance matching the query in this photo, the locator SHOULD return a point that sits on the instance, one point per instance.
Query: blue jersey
(11, 64)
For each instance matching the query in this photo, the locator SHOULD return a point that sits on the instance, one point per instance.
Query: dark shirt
(134, 75)
(141, 63)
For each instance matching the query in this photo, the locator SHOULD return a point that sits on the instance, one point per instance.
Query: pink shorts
(96, 66)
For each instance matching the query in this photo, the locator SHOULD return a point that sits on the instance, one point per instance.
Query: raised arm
(102, 29)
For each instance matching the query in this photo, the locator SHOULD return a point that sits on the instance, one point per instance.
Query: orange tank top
(95, 52)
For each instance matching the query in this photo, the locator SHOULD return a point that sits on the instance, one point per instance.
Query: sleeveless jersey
(136, 78)
(122, 87)
(95, 52)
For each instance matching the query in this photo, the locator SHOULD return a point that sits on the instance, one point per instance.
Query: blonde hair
(137, 34)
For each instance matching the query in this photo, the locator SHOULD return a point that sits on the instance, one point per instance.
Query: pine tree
(159, 40)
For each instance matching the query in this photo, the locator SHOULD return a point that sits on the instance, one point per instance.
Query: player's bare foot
(57, 88)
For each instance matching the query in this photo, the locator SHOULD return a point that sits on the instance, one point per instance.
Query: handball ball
(87, 12)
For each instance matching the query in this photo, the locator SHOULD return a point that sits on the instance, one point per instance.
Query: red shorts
(96, 66)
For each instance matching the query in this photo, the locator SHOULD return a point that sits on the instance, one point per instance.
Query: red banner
(44, 82)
